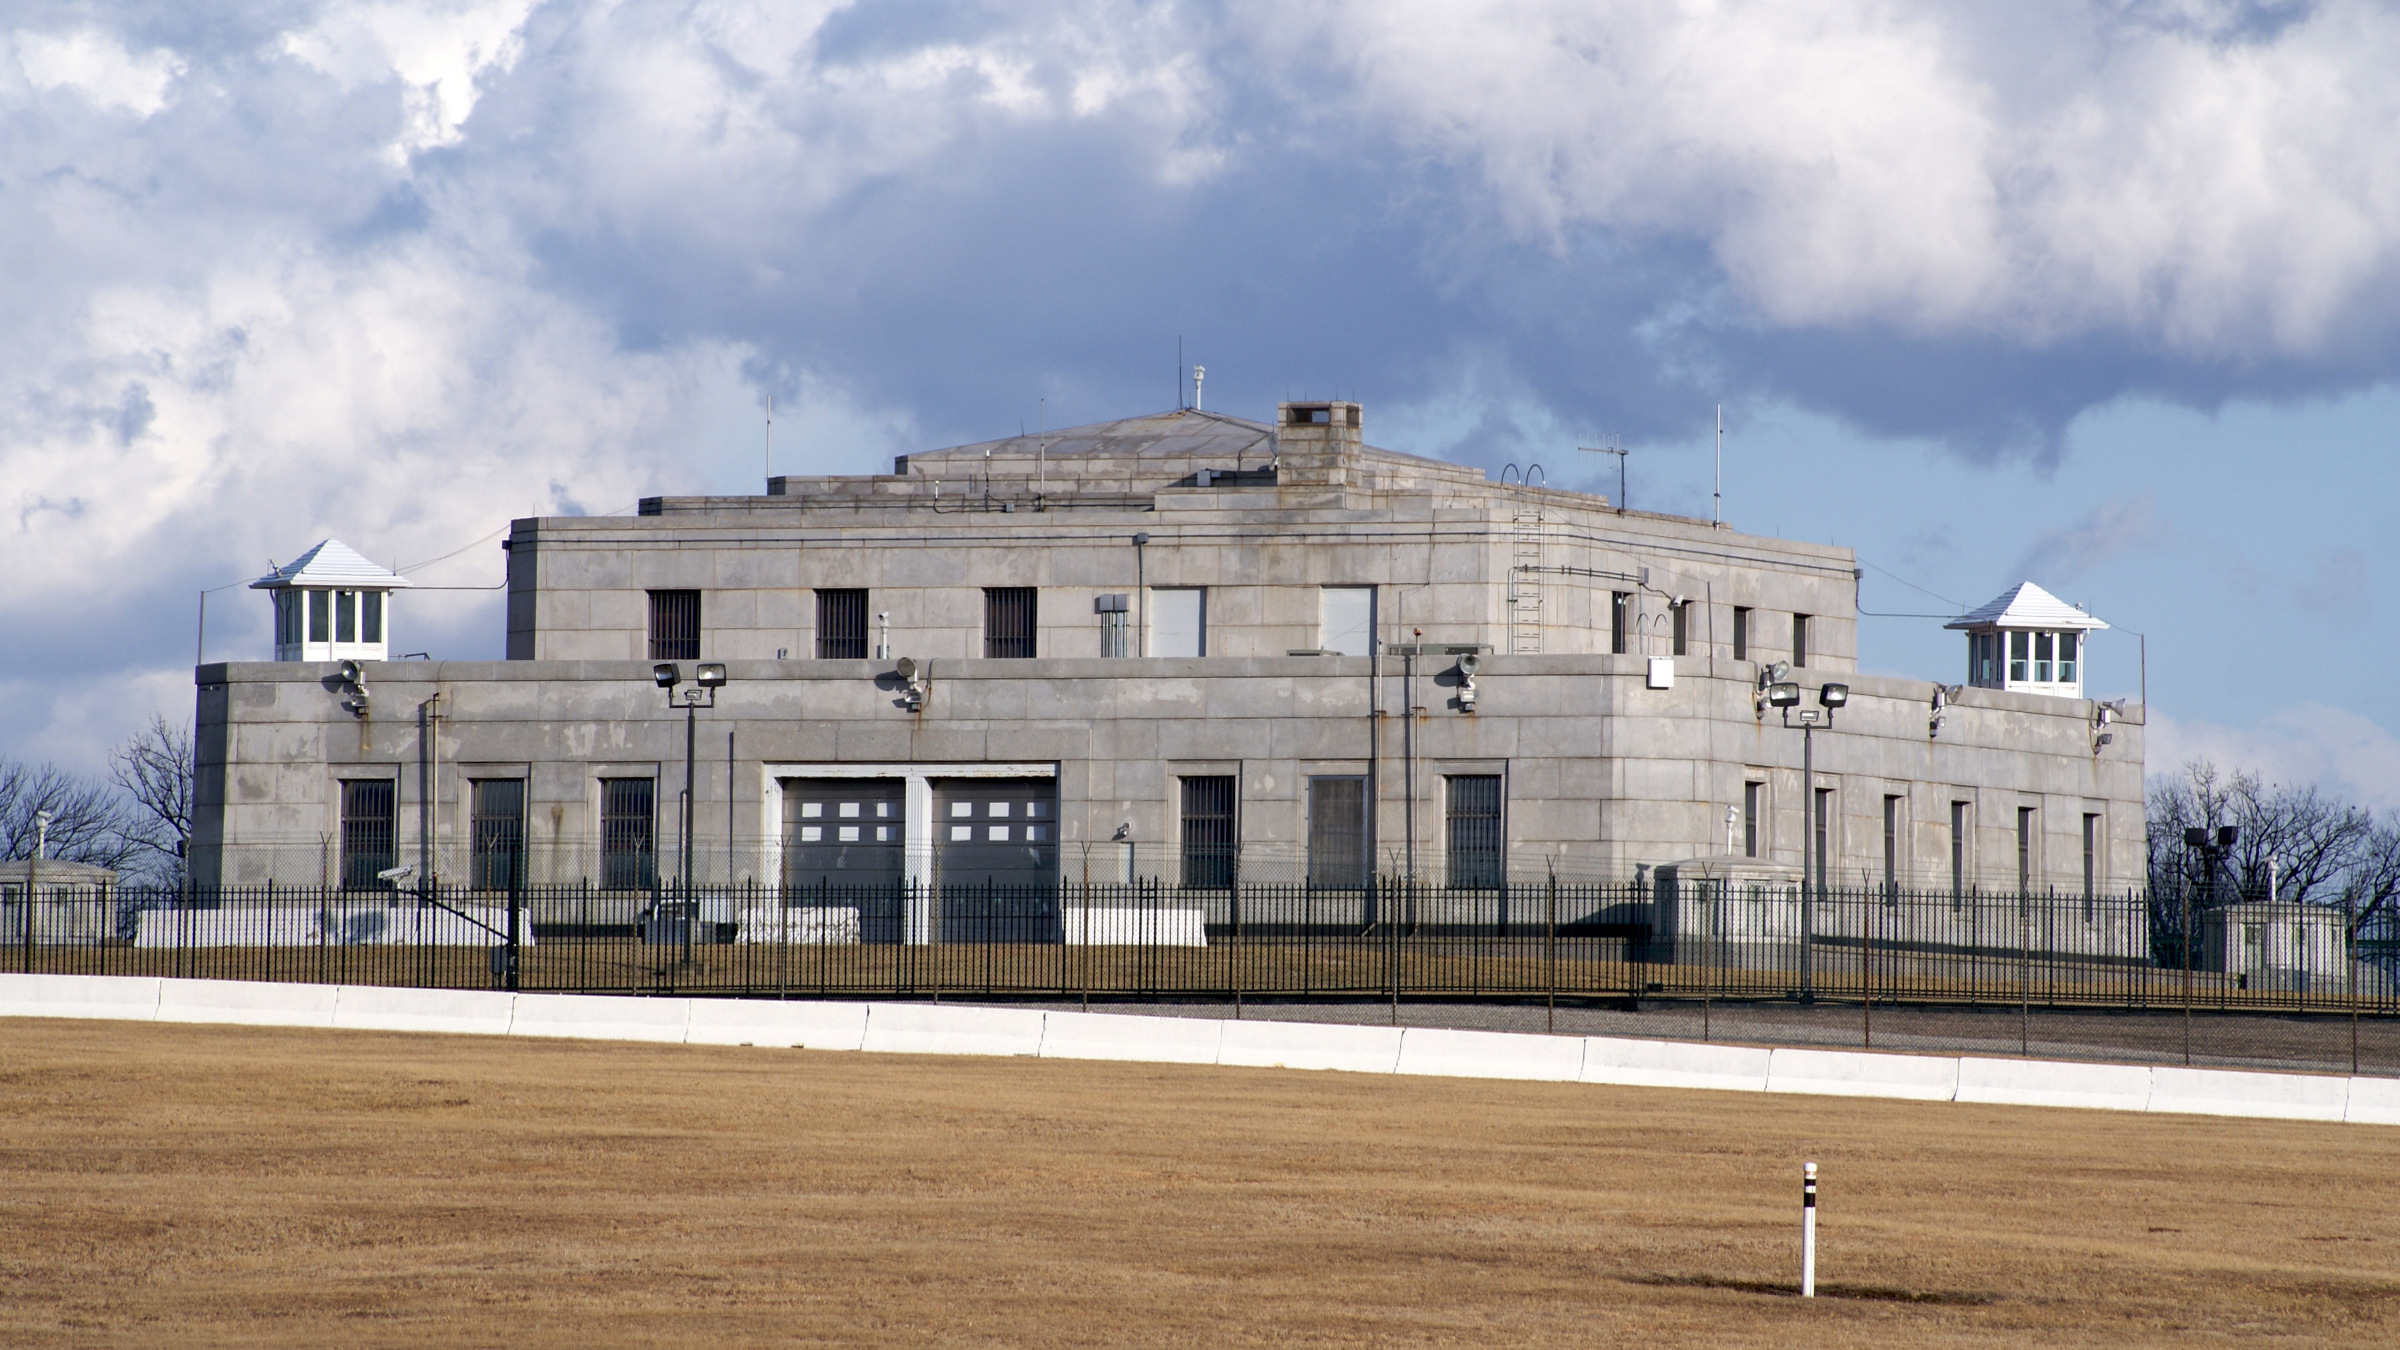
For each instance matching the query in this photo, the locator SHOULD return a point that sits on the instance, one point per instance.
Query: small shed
(69, 904)
(2027, 640)
(2276, 944)
(331, 605)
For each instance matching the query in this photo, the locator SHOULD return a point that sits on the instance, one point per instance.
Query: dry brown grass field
(166, 1185)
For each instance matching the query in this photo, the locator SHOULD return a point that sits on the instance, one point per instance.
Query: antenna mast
(1610, 446)
(1716, 510)
(770, 435)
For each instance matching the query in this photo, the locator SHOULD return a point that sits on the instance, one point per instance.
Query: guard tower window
(1008, 622)
(674, 625)
(1620, 620)
(345, 616)
(370, 830)
(1799, 641)
(1208, 830)
(841, 625)
(628, 839)
(1476, 852)
(370, 616)
(1741, 632)
(320, 616)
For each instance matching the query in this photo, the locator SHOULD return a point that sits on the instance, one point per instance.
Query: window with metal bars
(1209, 830)
(1683, 627)
(1337, 832)
(1824, 828)
(1620, 621)
(370, 830)
(1008, 622)
(1891, 842)
(628, 833)
(674, 625)
(1799, 641)
(1754, 798)
(1741, 633)
(496, 838)
(841, 625)
(2027, 863)
(1473, 810)
(2091, 864)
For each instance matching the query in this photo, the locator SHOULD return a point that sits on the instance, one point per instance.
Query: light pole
(707, 678)
(1785, 695)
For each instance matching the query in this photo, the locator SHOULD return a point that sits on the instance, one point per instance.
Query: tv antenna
(1611, 446)
(770, 436)
(1716, 508)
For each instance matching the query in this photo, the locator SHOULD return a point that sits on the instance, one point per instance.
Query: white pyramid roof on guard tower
(334, 564)
(2027, 606)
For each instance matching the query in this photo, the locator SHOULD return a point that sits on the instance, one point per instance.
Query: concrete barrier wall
(1490, 1054)
(121, 997)
(957, 1029)
(1154, 1040)
(1310, 1045)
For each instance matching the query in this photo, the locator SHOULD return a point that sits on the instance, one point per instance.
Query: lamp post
(707, 678)
(1785, 695)
(2213, 849)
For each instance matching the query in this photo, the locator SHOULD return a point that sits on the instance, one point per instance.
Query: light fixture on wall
(1468, 664)
(1943, 695)
(913, 679)
(355, 698)
(2102, 715)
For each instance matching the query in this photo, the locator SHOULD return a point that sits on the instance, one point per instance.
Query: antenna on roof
(1179, 370)
(1610, 446)
(770, 435)
(1199, 373)
(1716, 508)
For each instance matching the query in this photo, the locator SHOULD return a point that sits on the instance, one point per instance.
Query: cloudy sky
(2105, 295)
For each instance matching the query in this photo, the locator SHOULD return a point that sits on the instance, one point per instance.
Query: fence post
(1551, 954)
(2183, 939)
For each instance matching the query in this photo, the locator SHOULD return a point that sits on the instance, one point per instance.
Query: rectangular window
(1891, 843)
(2042, 659)
(345, 616)
(2067, 645)
(674, 625)
(1958, 852)
(1346, 619)
(2025, 843)
(1337, 833)
(1754, 798)
(628, 834)
(370, 829)
(1983, 660)
(1116, 627)
(1477, 853)
(287, 618)
(1741, 633)
(2091, 863)
(2020, 657)
(1179, 621)
(1799, 641)
(1620, 621)
(1009, 622)
(496, 843)
(1209, 837)
(1683, 624)
(1823, 825)
(842, 625)
(370, 616)
(320, 616)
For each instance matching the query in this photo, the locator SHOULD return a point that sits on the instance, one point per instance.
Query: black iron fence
(1609, 942)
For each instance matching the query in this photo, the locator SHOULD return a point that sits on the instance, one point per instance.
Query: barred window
(1620, 621)
(1799, 641)
(370, 830)
(1683, 627)
(1741, 632)
(841, 625)
(496, 840)
(628, 839)
(1337, 832)
(1008, 621)
(1209, 830)
(1476, 853)
(674, 625)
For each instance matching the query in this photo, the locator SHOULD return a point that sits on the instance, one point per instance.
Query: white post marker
(1808, 1230)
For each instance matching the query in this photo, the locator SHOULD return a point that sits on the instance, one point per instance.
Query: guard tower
(331, 605)
(2027, 640)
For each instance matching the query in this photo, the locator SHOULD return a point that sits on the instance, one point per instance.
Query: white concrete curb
(960, 1029)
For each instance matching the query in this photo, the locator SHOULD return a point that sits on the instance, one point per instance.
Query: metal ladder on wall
(1525, 563)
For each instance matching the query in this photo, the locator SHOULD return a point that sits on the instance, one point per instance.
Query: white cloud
(437, 52)
(2338, 750)
(2037, 171)
(100, 68)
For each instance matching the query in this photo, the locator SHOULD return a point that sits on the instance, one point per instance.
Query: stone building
(1187, 646)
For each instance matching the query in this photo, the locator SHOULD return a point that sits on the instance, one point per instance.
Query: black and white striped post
(1808, 1230)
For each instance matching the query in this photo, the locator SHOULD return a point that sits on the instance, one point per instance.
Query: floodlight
(710, 674)
(2196, 837)
(1833, 695)
(2226, 834)
(1777, 671)
(349, 672)
(906, 668)
(1785, 695)
(666, 674)
(1469, 664)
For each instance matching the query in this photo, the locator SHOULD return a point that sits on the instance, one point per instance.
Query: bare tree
(2295, 841)
(86, 819)
(153, 768)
